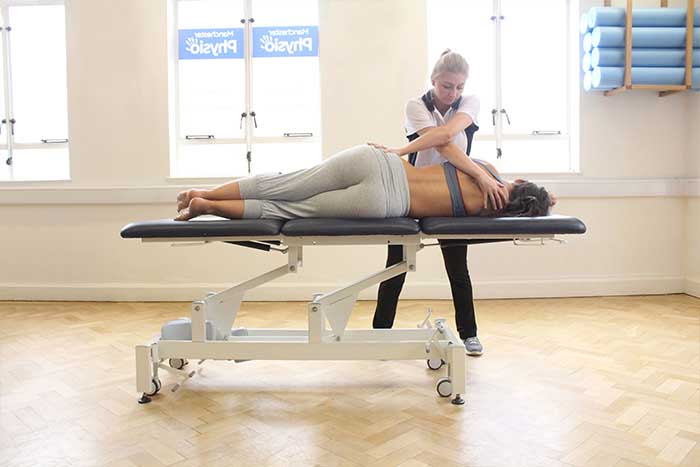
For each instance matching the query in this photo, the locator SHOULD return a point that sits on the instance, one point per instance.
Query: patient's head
(527, 200)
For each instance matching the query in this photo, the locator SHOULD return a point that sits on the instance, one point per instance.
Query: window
(522, 67)
(33, 101)
(246, 87)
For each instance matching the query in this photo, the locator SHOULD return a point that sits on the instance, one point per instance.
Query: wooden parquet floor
(563, 382)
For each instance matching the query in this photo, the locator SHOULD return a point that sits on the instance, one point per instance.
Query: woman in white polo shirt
(446, 119)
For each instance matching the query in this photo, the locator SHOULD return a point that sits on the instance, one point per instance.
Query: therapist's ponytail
(450, 62)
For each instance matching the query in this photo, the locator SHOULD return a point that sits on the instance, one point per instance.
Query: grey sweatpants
(360, 182)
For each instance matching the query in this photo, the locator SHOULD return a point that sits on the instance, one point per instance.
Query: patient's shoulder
(485, 163)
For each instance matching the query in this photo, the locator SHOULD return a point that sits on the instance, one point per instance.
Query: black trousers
(455, 258)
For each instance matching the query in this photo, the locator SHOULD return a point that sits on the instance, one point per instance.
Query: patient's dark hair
(527, 200)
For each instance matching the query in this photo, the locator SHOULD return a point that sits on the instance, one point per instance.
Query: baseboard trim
(546, 288)
(692, 286)
(693, 187)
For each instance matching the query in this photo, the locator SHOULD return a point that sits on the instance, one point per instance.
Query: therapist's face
(448, 87)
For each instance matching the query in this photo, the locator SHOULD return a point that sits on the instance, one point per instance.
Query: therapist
(443, 115)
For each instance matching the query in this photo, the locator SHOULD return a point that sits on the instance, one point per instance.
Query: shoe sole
(474, 353)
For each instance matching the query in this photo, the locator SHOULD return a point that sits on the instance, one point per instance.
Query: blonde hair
(450, 62)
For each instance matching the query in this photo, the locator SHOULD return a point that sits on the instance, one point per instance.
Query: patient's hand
(495, 194)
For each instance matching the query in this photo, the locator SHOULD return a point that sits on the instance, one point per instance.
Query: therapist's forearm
(460, 160)
(432, 138)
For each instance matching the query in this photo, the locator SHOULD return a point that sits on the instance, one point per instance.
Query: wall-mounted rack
(663, 89)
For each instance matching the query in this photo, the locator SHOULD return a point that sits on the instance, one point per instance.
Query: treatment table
(209, 334)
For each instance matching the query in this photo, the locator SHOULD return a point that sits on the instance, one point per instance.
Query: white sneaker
(473, 346)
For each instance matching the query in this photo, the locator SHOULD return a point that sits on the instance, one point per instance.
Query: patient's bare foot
(184, 197)
(196, 207)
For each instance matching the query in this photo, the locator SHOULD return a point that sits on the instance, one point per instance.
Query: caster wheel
(435, 363)
(177, 363)
(155, 387)
(444, 387)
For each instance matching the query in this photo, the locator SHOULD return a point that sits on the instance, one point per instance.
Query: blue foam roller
(583, 24)
(587, 42)
(607, 77)
(586, 62)
(588, 80)
(641, 17)
(588, 83)
(642, 57)
(613, 36)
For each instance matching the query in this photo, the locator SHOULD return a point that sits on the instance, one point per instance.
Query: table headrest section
(203, 227)
(349, 227)
(554, 224)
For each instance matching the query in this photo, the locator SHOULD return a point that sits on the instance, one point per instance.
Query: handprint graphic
(267, 43)
(191, 45)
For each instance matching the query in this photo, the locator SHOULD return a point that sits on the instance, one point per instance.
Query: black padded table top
(546, 225)
(203, 227)
(345, 227)
(218, 227)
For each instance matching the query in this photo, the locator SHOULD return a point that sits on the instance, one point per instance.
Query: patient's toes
(184, 198)
(183, 215)
(198, 206)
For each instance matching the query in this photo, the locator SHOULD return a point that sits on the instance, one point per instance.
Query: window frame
(7, 143)
(177, 140)
(571, 131)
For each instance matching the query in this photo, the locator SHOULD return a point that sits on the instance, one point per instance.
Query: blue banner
(199, 44)
(285, 41)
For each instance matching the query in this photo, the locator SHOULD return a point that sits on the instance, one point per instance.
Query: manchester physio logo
(198, 44)
(274, 41)
(285, 41)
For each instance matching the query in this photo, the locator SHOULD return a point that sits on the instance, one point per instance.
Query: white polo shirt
(419, 117)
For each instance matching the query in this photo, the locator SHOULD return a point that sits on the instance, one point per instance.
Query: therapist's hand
(397, 151)
(495, 193)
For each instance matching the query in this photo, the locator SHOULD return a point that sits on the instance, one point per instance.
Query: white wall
(117, 92)
(692, 210)
(373, 59)
(61, 240)
(692, 255)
